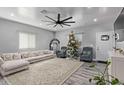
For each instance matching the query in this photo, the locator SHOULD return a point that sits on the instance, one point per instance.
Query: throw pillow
(7, 57)
(31, 54)
(46, 52)
(1, 61)
(16, 56)
(41, 53)
(25, 55)
(36, 53)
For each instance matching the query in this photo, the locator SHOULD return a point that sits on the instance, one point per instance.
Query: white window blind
(27, 40)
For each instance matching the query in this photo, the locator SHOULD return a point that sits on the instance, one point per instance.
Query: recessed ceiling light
(95, 19)
(40, 24)
(103, 9)
(12, 14)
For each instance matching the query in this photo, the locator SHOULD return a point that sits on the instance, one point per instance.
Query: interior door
(104, 44)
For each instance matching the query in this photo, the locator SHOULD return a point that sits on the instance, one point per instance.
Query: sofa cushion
(38, 52)
(41, 53)
(10, 65)
(46, 51)
(34, 53)
(16, 56)
(39, 57)
(31, 54)
(7, 56)
(24, 54)
(34, 58)
(1, 61)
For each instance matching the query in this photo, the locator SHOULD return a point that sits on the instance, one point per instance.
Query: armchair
(87, 54)
(62, 53)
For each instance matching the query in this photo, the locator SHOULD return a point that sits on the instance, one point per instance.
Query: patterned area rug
(84, 73)
(50, 72)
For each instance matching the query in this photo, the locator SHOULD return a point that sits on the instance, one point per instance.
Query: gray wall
(9, 36)
(121, 35)
(89, 34)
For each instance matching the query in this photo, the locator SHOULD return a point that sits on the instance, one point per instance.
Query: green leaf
(97, 78)
(108, 63)
(100, 81)
(115, 81)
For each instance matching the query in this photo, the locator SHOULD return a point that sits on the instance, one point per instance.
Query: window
(79, 37)
(27, 40)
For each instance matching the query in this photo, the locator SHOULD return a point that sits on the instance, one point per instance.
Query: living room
(60, 45)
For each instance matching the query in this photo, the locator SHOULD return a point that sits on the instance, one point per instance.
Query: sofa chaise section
(13, 66)
(9, 63)
(14, 62)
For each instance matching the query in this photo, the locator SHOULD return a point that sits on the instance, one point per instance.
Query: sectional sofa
(14, 62)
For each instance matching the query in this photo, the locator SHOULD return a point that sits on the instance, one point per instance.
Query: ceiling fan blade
(50, 18)
(69, 22)
(66, 24)
(66, 19)
(47, 21)
(55, 25)
(61, 25)
(58, 17)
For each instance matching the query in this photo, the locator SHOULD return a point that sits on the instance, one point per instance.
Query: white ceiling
(84, 16)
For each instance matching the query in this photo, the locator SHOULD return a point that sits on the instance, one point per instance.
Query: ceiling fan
(59, 22)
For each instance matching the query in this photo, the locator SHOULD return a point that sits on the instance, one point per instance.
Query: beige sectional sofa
(13, 62)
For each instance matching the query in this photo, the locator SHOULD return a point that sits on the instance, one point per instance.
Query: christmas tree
(73, 46)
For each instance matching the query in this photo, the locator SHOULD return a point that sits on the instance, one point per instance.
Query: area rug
(84, 73)
(50, 72)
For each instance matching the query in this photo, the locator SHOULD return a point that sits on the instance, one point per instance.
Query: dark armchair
(62, 53)
(87, 54)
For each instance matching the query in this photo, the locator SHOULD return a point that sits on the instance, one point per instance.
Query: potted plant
(103, 78)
